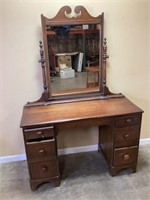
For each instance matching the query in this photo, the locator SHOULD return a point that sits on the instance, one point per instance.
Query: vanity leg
(34, 184)
(115, 170)
(133, 168)
(56, 182)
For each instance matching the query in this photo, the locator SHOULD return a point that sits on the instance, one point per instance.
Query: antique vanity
(73, 60)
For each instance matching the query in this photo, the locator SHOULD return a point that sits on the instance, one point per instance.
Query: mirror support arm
(106, 92)
(105, 57)
(42, 61)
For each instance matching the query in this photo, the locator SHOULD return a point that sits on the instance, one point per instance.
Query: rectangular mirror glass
(73, 52)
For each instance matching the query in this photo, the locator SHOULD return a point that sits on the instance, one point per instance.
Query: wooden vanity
(118, 119)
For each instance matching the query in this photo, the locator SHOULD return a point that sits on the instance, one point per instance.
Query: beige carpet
(84, 177)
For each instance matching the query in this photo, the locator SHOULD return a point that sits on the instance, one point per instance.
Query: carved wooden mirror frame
(81, 17)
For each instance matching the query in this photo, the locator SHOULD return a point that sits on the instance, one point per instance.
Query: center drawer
(41, 150)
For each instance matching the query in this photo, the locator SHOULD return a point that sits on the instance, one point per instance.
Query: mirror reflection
(74, 57)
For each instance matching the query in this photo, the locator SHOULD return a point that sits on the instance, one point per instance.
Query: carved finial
(42, 61)
(105, 56)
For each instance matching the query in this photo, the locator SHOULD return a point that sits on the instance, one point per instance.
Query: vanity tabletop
(73, 111)
(57, 113)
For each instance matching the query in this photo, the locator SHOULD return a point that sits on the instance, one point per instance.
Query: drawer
(43, 150)
(130, 120)
(127, 136)
(38, 133)
(125, 156)
(40, 170)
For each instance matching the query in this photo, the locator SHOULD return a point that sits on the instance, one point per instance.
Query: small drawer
(131, 120)
(127, 136)
(42, 170)
(125, 156)
(43, 150)
(38, 133)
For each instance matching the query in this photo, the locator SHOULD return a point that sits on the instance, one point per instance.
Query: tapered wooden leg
(56, 182)
(34, 184)
(115, 170)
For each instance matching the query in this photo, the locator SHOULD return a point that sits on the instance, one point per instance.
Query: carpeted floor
(84, 177)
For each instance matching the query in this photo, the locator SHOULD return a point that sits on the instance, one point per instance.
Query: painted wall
(148, 58)
(128, 71)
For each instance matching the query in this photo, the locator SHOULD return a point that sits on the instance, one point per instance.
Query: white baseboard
(144, 141)
(14, 158)
(77, 149)
(73, 150)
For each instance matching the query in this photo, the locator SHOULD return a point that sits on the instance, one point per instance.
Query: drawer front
(127, 136)
(131, 120)
(42, 170)
(125, 156)
(43, 150)
(38, 133)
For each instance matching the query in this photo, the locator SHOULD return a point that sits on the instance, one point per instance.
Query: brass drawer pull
(39, 133)
(42, 151)
(44, 169)
(128, 120)
(126, 136)
(126, 157)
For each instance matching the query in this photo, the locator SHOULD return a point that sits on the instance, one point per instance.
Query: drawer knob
(129, 120)
(39, 133)
(126, 136)
(126, 157)
(42, 151)
(44, 169)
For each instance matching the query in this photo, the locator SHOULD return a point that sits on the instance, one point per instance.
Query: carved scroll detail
(66, 16)
(80, 10)
(67, 12)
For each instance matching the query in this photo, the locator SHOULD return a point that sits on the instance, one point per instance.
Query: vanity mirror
(73, 56)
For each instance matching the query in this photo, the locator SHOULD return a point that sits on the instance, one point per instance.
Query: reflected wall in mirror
(73, 50)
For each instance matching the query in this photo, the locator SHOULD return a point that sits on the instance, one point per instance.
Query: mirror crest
(67, 16)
